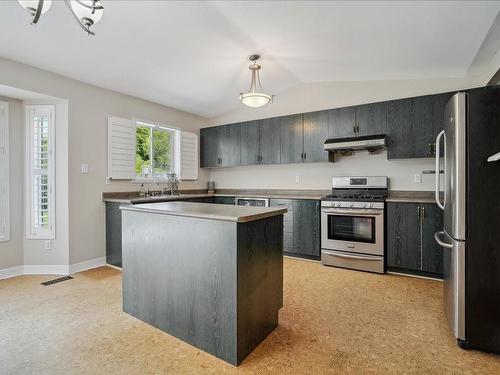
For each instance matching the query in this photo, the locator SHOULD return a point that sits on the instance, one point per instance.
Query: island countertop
(239, 214)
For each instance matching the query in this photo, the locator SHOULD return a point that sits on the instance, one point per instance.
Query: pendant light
(86, 12)
(255, 96)
(35, 7)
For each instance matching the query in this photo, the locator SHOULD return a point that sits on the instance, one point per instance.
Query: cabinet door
(270, 141)
(199, 200)
(306, 227)
(372, 118)
(342, 122)
(229, 145)
(432, 253)
(423, 130)
(224, 200)
(401, 123)
(209, 147)
(288, 220)
(315, 135)
(250, 135)
(114, 234)
(292, 139)
(403, 236)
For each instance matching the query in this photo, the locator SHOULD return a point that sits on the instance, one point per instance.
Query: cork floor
(333, 321)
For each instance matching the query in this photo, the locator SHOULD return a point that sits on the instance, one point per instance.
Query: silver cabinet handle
(352, 212)
(349, 256)
(441, 243)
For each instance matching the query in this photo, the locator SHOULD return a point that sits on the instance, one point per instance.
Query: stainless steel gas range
(352, 223)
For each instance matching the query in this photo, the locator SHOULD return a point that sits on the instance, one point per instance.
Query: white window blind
(121, 148)
(40, 168)
(188, 156)
(4, 173)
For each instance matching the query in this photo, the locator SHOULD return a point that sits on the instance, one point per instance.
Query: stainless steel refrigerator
(470, 201)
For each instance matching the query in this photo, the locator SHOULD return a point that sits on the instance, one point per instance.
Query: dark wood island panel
(215, 284)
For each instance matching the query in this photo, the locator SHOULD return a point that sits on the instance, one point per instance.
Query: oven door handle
(352, 212)
(349, 256)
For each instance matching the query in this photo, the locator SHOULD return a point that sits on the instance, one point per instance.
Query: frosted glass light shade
(255, 99)
(32, 5)
(82, 12)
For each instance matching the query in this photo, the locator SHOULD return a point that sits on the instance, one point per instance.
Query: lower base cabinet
(114, 234)
(224, 200)
(410, 238)
(301, 227)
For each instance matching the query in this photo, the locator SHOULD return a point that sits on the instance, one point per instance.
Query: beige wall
(88, 108)
(11, 252)
(318, 96)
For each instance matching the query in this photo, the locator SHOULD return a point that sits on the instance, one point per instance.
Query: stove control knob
(351, 205)
(362, 205)
(369, 205)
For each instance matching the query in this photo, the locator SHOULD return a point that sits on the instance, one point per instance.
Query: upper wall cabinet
(209, 147)
(315, 134)
(292, 139)
(413, 125)
(365, 119)
(260, 142)
(250, 137)
(270, 141)
(220, 146)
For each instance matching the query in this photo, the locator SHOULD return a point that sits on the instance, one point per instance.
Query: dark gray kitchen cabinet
(224, 200)
(403, 236)
(432, 253)
(270, 141)
(301, 227)
(114, 234)
(209, 147)
(292, 139)
(413, 125)
(371, 118)
(315, 134)
(199, 200)
(229, 145)
(341, 121)
(410, 238)
(250, 139)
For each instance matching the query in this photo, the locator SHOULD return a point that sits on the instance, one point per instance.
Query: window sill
(149, 181)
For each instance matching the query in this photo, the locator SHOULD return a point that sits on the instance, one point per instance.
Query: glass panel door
(351, 228)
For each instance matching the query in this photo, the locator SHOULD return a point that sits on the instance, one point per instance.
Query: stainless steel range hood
(371, 143)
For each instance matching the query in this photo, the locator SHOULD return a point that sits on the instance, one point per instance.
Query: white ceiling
(192, 55)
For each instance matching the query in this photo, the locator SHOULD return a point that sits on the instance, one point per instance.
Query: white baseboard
(87, 265)
(11, 272)
(115, 267)
(46, 269)
(52, 269)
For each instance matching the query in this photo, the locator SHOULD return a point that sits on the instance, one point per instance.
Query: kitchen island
(208, 274)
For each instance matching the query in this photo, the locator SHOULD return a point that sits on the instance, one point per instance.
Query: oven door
(353, 230)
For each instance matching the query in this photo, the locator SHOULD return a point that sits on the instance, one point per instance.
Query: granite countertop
(239, 214)
(411, 196)
(134, 198)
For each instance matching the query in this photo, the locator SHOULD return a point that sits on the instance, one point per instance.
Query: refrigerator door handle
(438, 153)
(437, 237)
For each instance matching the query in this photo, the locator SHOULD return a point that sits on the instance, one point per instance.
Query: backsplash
(401, 173)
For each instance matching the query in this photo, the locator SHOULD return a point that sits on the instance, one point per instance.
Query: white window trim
(50, 234)
(5, 175)
(155, 125)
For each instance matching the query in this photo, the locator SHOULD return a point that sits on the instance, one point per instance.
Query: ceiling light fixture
(86, 12)
(255, 96)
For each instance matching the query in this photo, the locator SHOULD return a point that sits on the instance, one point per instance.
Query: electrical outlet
(297, 179)
(48, 244)
(108, 180)
(417, 178)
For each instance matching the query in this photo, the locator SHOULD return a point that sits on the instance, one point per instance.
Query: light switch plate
(84, 168)
(48, 244)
